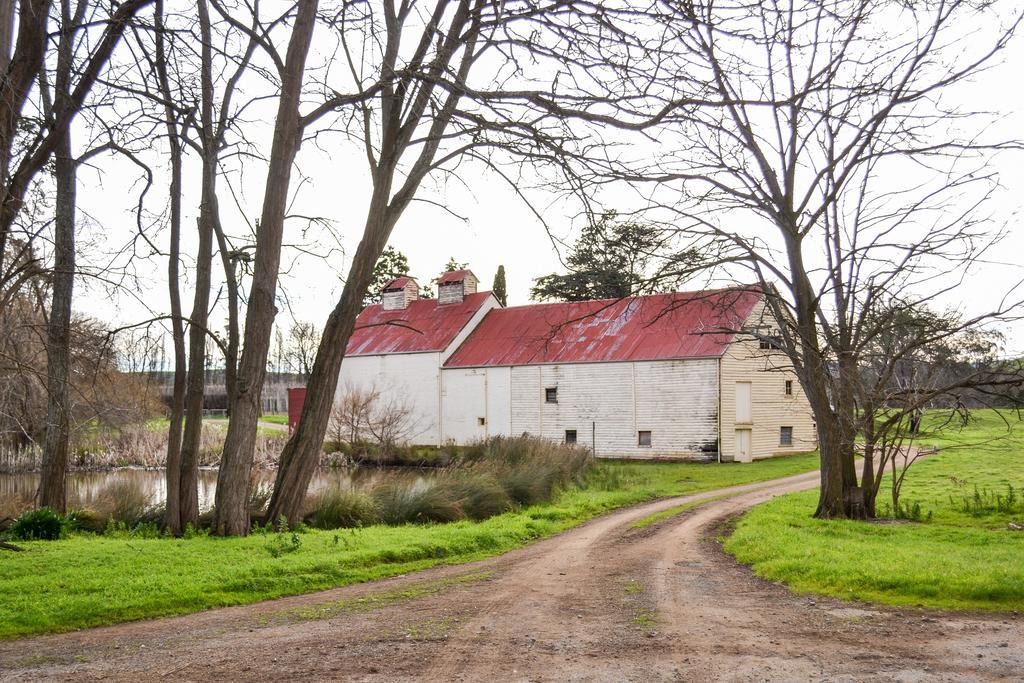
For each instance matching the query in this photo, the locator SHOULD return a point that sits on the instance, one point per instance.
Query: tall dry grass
(122, 503)
(485, 479)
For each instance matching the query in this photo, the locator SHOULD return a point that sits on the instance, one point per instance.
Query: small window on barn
(789, 387)
(481, 421)
(551, 395)
(785, 436)
(643, 438)
(570, 436)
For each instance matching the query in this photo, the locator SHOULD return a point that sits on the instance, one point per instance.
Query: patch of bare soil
(600, 602)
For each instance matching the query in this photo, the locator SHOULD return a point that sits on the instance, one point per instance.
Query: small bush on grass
(337, 507)
(912, 512)
(42, 524)
(985, 501)
(282, 542)
(88, 519)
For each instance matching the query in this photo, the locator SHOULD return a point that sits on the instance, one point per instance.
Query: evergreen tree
(454, 265)
(391, 264)
(498, 288)
(613, 260)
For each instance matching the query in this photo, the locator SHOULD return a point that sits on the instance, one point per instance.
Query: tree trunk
(196, 380)
(302, 452)
(58, 337)
(869, 479)
(231, 279)
(6, 33)
(52, 490)
(832, 413)
(830, 497)
(232, 514)
(172, 512)
(201, 301)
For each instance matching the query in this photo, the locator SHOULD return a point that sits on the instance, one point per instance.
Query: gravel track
(601, 602)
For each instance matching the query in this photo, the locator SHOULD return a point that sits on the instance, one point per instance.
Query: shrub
(406, 503)
(335, 507)
(42, 524)
(912, 512)
(87, 519)
(985, 501)
(282, 543)
(330, 447)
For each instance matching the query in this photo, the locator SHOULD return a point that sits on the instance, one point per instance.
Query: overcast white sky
(497, 228)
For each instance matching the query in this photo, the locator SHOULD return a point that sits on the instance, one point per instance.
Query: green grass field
(221, 423)
(963, 556)
(89, 580)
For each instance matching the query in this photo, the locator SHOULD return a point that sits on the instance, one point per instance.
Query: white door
(743, 403)
(743, 445)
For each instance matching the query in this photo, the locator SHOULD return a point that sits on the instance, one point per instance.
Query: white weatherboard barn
(660, 376)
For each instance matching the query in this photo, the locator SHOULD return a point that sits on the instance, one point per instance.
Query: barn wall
(469, 394)
(410, 378)
(767, 371)
(608, 403)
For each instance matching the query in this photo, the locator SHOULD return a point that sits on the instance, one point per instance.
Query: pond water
(84, 487)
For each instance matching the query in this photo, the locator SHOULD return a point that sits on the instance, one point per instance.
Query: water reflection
(84, 487)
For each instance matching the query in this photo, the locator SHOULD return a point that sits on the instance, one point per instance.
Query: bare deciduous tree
(72, 83)
(419, 111)
(350, 418)
(815, 141)
(232, 515)
(303, 341)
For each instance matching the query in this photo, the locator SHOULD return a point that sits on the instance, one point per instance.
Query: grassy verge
(963, 556)
(275, 419)
(656, 517)
(89, 580)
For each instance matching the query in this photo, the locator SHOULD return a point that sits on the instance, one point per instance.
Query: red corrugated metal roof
(455, 276)
(656, 327)
(423, 326)
(397, 283)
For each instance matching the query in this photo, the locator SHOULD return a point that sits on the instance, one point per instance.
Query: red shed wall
(296, 399)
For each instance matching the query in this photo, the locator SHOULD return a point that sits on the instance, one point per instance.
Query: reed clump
(484, 479)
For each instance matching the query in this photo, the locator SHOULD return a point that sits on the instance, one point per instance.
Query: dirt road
(603, 602)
